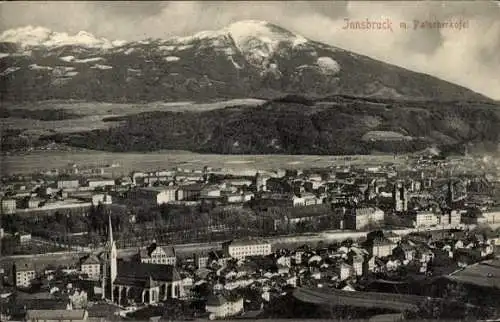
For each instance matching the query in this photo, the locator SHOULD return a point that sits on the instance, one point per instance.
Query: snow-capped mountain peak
(260, 40)
(31, 36)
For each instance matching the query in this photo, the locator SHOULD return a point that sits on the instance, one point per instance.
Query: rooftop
(35, 315)
(247, 241)
(134, 271)
(158, 189)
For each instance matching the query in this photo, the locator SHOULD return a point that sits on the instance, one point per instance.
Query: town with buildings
(342, 242)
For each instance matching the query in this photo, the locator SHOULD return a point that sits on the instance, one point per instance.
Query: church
(133, 282)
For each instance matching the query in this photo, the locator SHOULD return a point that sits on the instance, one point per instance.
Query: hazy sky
(469, 57)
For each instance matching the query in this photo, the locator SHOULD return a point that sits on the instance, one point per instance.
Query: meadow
(45, 160)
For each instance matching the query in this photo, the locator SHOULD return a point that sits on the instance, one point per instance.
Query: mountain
(244, 59)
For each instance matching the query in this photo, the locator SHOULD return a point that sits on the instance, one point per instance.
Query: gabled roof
(247, 241)
(381, 241)
(169, 251)
(129, 271)
(24, 266)
(90, 260)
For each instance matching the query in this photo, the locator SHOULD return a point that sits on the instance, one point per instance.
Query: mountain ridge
(297, 125)
(244, 59)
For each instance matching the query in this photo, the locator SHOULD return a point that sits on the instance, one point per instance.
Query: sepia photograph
(249, 160)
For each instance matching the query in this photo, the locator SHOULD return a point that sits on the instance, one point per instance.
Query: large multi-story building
(360, 218)
(24, 274)
(492, 215)
(425, 219)
(8, 206)
(99, 183)
(155, 195)
(247, 247)
(68, 184)
(452, 218)
(191, 192)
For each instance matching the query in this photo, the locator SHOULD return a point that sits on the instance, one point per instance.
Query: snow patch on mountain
(103, 67)
(166, 48)
(10, 70)
(2, 55)
(67, 59)
(62, 71)
(207, 34)
(299, 40)
(118, 43)
(172, 58)
(88, 60)
(235, 64)
(129, 51)
(38, 67)
(243, 31)
(184, 47)
(31, 36)
(328, 65)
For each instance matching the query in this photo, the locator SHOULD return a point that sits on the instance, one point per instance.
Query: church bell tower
(110, 265)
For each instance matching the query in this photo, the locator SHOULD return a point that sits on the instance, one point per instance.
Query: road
(66, 246)
(275, 241)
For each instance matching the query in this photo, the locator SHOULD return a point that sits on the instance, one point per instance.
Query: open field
(486, 274)
(85, 123)
(397, 302)
(45, 160)
(99, 108)
(92, 113)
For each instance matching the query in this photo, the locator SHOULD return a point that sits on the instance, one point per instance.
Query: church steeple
(110, 231)
(113, 254)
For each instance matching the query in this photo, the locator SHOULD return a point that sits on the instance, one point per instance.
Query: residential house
(201, 260)
(392, 264)
(492, 215)
(101, 199)
(284, 260)
(382, 247)
(404, 252)
(393, 237)
(357, 263)
(486, 250)
(344, 271)
(158, 255)
(492, 238)
(425, 255)
(220, 306)
(218, 257)
(91, 266)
